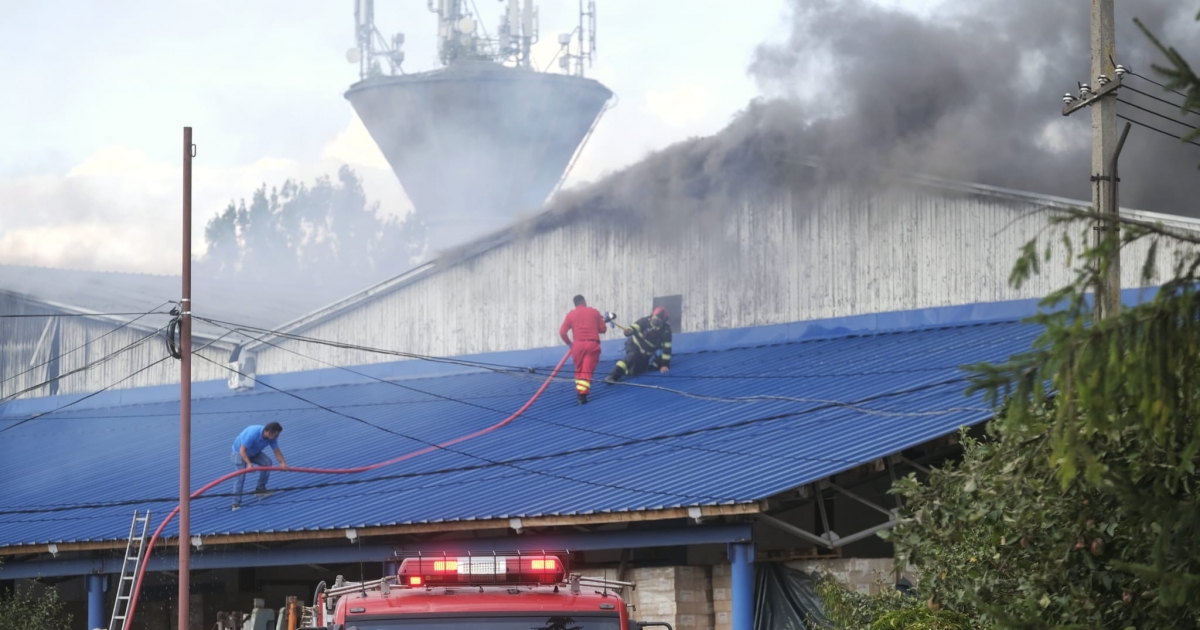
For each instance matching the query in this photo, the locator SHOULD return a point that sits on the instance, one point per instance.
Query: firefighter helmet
(661, 313)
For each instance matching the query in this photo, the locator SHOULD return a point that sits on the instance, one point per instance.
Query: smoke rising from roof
(972, 92)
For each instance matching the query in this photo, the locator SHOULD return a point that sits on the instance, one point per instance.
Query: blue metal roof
(631, 448)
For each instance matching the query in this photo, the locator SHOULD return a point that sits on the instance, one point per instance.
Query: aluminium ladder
(129, 570)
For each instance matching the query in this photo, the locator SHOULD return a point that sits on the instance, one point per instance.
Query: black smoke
(974, 90)
(971, 92)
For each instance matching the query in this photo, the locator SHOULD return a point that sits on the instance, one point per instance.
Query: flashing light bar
(539, 569)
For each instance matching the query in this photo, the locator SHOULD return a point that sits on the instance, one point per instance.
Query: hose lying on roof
(137, 588)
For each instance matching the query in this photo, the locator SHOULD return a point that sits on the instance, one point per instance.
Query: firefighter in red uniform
(586, 324)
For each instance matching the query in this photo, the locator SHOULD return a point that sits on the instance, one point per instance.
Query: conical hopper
(476, 143)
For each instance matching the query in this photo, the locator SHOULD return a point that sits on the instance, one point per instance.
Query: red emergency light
(491, 569)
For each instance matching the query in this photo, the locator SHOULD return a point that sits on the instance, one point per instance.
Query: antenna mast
(586, 33)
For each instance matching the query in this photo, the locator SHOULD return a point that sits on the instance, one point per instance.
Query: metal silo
(486, 136)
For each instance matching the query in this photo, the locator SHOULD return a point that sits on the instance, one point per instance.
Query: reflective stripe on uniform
(582, 386)
(624, 368)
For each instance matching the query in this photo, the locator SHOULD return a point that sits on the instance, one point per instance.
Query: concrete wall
(776, 256)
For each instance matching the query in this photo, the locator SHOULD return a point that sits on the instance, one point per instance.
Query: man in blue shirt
(248, 452)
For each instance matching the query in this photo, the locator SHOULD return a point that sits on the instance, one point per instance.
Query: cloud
(354, 146)
(119, 210)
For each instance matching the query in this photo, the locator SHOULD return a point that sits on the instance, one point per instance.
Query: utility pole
(185, 394)
(1105, 149)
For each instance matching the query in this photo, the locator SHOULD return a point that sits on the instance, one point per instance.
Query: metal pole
(185, 393)
(1104, 141)
(741, 559)
(95, 589)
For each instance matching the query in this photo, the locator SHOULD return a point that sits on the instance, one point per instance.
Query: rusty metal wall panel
(782, 256)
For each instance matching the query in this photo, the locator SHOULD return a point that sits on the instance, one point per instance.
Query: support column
(96, 585)
(741, 557)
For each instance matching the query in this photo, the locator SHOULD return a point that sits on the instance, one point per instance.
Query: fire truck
(497, 591)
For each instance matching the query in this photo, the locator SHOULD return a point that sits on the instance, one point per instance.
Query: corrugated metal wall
(30, 344)
(780, 257)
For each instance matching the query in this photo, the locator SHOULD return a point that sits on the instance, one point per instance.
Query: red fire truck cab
(474, 592)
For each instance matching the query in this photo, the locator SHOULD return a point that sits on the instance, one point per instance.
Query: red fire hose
(137, 589)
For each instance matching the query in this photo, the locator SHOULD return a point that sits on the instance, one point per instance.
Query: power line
(545, 456)
(1154, 113)
(596, 431)
(110, 385)
(659, 388)
(140, 314)
(1165, 133)
(104, 359)
(517, 370)
(1159, 99)
(347, 346)
(79, 400)
(1148, 79)
(77, 348)
(464, 453)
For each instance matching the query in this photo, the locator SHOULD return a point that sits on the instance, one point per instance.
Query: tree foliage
(887, 610)
(323, 236)
(1000, 538)
(23, 609)
(1080, 509)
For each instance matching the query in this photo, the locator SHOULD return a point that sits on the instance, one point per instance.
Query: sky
(98, 94)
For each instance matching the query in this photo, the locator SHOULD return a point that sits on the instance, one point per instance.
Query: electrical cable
(1154, 113)
(561, 424)
(1165, 133)
(432, 447)
(104, 359)
(346, 346)
(84, 314)
(78, 348)
(531, 458)
(110, 385)
(818, 401)
(435, 446)
(852, 406)
(1159, 99)
(1148, 79)
(172, 333)
(520, 370)
(79, 400)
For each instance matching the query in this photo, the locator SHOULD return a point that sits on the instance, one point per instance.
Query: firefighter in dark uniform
(647, 336)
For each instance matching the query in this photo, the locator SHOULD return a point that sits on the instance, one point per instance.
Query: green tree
(999, 538)
(845, 609)
(22, 609)
(1080, 509)
(320, 236)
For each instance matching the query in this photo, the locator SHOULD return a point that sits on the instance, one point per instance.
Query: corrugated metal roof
(630, 448)
(253, 304)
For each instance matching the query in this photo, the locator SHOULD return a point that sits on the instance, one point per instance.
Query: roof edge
(472, 249)
(686, 343)
(431, 527)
